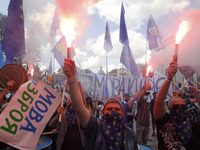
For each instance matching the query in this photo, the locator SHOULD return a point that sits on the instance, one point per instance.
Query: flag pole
(65, 84)
(106, 64)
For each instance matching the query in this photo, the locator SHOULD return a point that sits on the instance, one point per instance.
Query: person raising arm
(83, 114)
(159, 106)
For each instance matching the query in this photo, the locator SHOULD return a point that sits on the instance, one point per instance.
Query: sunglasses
(177, 106)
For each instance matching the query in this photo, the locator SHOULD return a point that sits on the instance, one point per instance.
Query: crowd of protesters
(123, 123)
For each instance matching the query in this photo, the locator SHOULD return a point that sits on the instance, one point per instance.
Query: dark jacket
(94, 139)
(62, 130)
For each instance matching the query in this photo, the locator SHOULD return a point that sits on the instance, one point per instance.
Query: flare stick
(84, 100)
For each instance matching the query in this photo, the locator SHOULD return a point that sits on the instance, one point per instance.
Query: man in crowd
(130, 110)
(128, 105)
(70, 136)
(174, 130)
(142, 120)
(110, 132)
(151, 111)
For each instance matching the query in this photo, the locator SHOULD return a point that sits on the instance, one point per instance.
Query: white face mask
(145, 97)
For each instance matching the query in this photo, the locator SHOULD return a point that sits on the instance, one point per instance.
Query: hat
(127, 95)
(112, 100)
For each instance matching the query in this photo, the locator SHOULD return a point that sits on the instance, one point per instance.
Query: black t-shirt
(166, 134)
(168, 139)
(72, 139)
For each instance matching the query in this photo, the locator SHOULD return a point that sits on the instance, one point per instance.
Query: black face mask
(126, 100)
(181, 123)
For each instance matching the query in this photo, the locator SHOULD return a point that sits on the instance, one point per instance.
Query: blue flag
(123, 36)
(60, 51)
(128, 61)
(107, 40)
(55, 23)
(152, 33)
(13, 42)
(1, 57)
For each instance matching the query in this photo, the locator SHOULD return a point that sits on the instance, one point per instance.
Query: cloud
(38, 18)
(188, 53)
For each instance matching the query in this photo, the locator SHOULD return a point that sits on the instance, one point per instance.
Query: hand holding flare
(67, 27)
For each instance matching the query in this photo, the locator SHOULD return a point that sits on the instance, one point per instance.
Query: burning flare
(149, 68)
(184, 27)
(68, 29)
(32, 71)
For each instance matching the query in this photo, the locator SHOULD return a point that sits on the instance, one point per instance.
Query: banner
(27, 114)
(109, 86)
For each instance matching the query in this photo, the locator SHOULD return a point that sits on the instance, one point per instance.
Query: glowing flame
(149, 68)
(183, 29)
(32, 71)
(67, 28)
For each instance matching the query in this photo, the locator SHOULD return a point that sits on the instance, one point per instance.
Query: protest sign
(27, 114)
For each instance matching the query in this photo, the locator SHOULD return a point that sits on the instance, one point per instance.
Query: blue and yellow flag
(13, 42)
(60, 51)
(107, 40)
(123, 36)
(55, 23)
(126, 58)
(129, 62)
(152, 34)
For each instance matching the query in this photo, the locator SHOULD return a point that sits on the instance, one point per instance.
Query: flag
(13, 42)
(60, 51)
(50, 72)
(107, 40)
(128, 61)
(152, 34)
(123, 36)
(55, 23)
(1, 57)
(126, 58)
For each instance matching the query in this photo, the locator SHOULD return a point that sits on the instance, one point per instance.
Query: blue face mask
(71, 116)
(179, 113)
(182, 124)
(112, 129)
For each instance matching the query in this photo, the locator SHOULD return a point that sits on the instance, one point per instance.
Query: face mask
(70, 116)
(145, 97)
(126, 100)
(178, 113)
(182, 124)
(112, 129)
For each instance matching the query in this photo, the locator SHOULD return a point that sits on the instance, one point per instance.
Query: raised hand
(172, 69)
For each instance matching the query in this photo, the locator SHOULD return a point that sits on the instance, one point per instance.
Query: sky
(92, 16)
